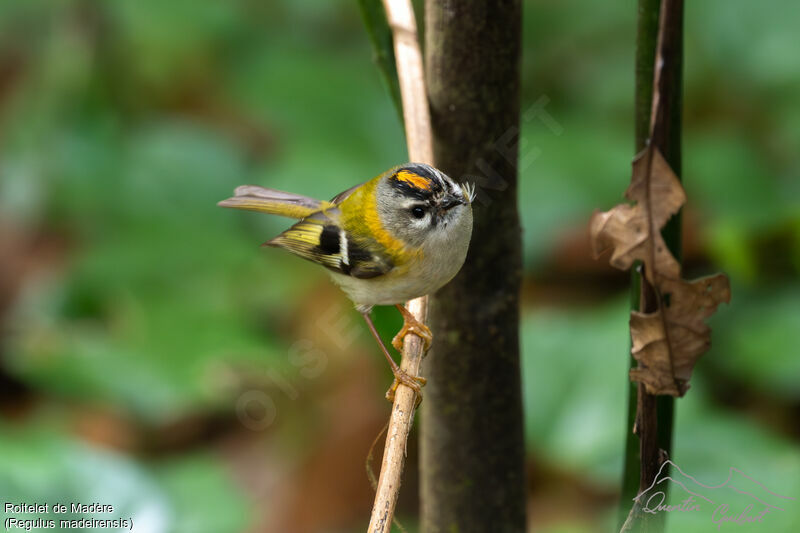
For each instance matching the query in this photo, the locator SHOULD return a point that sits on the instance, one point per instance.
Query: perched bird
(400, 235)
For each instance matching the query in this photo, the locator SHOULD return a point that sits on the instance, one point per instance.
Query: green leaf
(202, 497)
(191, 494)
(41, 466)
(756, 341)
(380, 34)
(575, 381)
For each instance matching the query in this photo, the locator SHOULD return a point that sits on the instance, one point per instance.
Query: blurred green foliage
(125, 122)
(192, 494)
(40, 466)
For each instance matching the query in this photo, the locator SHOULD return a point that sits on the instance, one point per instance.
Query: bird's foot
(413, 382)
(412, 325)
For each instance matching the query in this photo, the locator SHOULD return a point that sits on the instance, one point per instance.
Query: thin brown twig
(400, 15)
(411, 75)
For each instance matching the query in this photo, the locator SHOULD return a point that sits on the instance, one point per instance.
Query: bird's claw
(413, 382)
(412, 325)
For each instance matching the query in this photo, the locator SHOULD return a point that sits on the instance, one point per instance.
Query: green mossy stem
(664, 130)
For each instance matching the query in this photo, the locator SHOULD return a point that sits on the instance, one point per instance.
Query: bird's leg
(411, 325)
(400, 376)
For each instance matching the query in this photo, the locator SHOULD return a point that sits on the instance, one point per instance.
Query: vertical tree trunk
(472, 449)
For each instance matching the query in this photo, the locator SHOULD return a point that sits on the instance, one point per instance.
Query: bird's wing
(320, 238)
(342, 196)
(273, 201)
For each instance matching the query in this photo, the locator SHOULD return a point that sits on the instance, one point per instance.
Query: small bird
(400, 235)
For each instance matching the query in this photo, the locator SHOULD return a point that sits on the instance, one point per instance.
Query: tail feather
(272, 201)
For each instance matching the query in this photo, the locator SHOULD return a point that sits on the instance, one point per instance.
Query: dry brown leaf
(668, 341)
(627, 228)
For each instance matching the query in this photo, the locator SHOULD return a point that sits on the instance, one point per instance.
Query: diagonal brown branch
(420, 149)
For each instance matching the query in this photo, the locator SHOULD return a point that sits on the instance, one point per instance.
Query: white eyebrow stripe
(343, 247)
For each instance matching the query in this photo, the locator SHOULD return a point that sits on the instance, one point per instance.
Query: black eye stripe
(411, 191)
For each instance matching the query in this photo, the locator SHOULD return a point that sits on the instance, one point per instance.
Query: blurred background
(155, 358)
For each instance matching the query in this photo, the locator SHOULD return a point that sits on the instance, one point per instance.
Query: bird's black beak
(450, 202)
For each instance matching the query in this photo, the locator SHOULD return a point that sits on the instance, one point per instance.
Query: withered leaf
(668, 341)
(627, 229)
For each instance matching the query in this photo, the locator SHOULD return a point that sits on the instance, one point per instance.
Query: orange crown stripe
(415, 180)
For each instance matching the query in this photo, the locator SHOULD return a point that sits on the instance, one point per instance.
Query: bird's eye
(417, 212)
